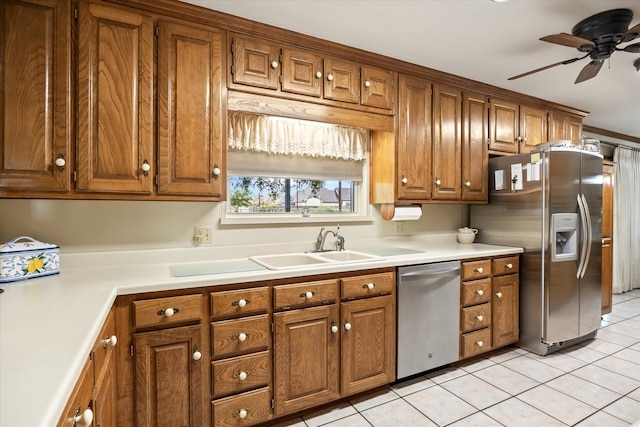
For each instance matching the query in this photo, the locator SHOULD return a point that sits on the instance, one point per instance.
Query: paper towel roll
(407, 213)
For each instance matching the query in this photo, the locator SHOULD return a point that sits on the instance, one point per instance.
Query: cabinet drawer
(476, 342)
(508, 265)
(255, 406)
(240, 336)
(240, 302)
(104, 344)
(369, 285)
(167, 311)
(309, 293)
(476, 292)
(476, 317)
(476, 269)
(242, 373)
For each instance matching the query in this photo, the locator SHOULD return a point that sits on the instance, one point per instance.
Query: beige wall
(83, 226)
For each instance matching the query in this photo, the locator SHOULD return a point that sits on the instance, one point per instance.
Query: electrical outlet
(400, 228)
(203, 235)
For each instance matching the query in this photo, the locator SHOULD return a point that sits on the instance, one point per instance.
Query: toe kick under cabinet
(489, 304)
(248, 354)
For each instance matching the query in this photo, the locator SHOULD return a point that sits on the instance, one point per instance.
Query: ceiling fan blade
(565, 39)
(565, 62)
(633, 48)
(589, 71)
(633, 31)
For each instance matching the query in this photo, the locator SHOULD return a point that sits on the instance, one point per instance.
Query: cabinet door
(115, 100)
(447, 143)
(607, 276)
(255, 62)
(169, 382)
(556, 126)
(377, 88)
(504, 116)
(505, 310)
(301, 72)
(575, 128)
(105, 397)
(368, 343)
(191, 117)
(414, 140)
(475, 159)
(35, 114)
(80, 399)
(306, 358)
(342, 80)
(608, 181)
(533, 127)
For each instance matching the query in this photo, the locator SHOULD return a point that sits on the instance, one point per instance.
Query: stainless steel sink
(311, 259)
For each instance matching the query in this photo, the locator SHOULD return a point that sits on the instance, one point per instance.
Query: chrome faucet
(322, 236)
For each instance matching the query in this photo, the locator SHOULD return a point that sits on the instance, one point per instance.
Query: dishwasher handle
(428, 274)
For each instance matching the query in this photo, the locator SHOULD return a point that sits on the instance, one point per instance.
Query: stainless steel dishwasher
(428, 316)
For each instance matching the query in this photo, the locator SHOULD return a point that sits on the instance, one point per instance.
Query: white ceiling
(476, 39)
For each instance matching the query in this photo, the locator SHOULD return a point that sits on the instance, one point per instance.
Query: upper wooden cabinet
(191, 115)
(475, 158)
(115, 100)
(413, 143)
(516, 128)
(564, 126)
(289, 72)
(440, 150)
(35, 95)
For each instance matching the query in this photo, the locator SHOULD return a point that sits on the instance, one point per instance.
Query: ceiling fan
(597, 36)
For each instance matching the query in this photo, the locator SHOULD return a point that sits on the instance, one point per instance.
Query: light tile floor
(595, 383)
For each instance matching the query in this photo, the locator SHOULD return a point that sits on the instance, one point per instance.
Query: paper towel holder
(388, 210)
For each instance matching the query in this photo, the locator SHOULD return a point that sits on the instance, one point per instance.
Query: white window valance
(284, 136)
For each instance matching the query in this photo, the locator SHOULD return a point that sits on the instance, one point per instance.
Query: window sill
(232, 219)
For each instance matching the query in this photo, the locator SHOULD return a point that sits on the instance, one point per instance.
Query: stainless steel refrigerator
(550, 203)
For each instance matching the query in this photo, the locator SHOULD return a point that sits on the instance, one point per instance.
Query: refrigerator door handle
(585, 233)
(587, 243)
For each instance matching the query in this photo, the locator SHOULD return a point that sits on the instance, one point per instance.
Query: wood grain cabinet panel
(505, 120)
(306, 293)
(564, 126)
(155, 311)
(81, 397)
(475, 157)
(533, 127)
(368, 354)
(239, 336)
(506, 315)
(35, 95)
(191, 114)
(342, 80)
(256, 62)
(254, 405)
(476, 291)
(302, 72)
(377, 87)
(115, 100)
(447, 143)
(240, 302)
(242, 373)
(368, 285)
(413, 146)
(306, 358)
(608, 183)
(169, 382)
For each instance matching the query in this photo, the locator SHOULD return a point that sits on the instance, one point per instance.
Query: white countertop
(48, 324)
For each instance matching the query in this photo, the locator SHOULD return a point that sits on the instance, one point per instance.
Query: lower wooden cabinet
(169, 377)
(489, 304)
(306, 358)
(368, 346)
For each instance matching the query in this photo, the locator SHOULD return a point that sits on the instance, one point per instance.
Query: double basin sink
(311, 259)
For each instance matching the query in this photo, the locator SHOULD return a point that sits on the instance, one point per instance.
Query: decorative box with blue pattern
(25, 258)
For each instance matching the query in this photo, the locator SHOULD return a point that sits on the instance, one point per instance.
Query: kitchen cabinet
(447, 143)
(241, 356)
(489, 301)
(115, 100)
(564, 126)
(191, 113)
(289, 72)
(306, 345)
(475, 157)
(608, 183)
(168, 361)
(414, 141)
(35, 93)
(516, 128)
(93, 400)
(334, 349)
(368, 332)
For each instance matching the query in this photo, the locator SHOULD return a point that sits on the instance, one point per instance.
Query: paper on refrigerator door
(499, 179)
(533, 172)
(516, 176)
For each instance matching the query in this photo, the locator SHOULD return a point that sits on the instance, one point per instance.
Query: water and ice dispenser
(564, 232)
